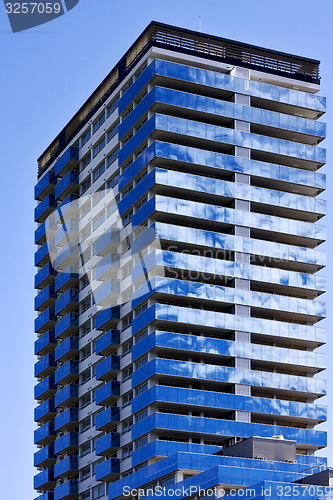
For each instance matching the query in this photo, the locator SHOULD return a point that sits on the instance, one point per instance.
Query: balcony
(66, 256)
(107, 318)
(108, 242)
(45, 208)
(45, 321)
(108, 267)
(67, 325)
(45, 366)
(67, 302)
(42, 255)
(45, 343)
(66, 467)
(66, 443)
(67, 349)
(67, 279)
(45, 231)
(45, 389)
(44, 480)
(66, 491)
(107, 368)
(108, 342)
(68, 160)
(68, 208)
(48, 495)
(66, 420)
(45, 298)
(107, 293)
(108, 393)
(45, 276)
(69, 231)
(69, 184)
(44, 434)
(108, 470)
(66, 373)
(67, 396)
(107, 444)
(44, 457)
(45, 185)
(45, 411)
(107, 418)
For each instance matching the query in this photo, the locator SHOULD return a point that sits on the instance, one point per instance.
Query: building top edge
(187, 42)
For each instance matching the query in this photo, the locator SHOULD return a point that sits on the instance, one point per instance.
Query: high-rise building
(179, 277)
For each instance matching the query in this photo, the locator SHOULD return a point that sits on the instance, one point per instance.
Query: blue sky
(46, 74)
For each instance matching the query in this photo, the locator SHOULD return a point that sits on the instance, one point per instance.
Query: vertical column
(240, 257)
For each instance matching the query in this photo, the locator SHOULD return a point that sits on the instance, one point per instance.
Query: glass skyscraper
(179, 279)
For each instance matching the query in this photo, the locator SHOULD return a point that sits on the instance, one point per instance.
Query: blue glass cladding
(209, 266)
(45, 343)
(225, 82)
(44, 455)
(44, 184)
(225, 428)
(44, 432)
(44, 410)
(68, 347)
(46, 364)
(110, 339)
(227, 348)
(229, 295)
(107, 470)
(68, 416)
(228, 216)
(213, 239)
(44, 387)
(66, 489)
(68, 158)
(43, 478)
(228, 375)
(107, 418)
(44, 274)
(210, 399)
(65, 466)
(67, 394)
(230, 322)
(44, 208)
(220, 161)
(222, 108)
(66, 442)
(67, 371)
(166, 448)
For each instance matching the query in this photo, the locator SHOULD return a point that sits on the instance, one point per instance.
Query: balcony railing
(67, 279)
(45, 366)
(66, 420)
(108, 470)
(66, 443)
(45, 185)
(67, 372)
(45, 411)
(67, 185)
(45, 276)
(67, 396)
(108, 393)
(68, 231)
(107, 318)
(66, 491)
(45, 298)
(107, 368)
(44, 480)
(45, 231)
(45, 321)
(67, 302)
(45, 208)
(67, 255)
(107, 444)
(107, 418)
(44, 457)
(42, 255)
(48, 495)
(67, 325)
(68, 208)
(108, 242)
(44, 434)
(68, 160)
(108, 342)
(45, 389)
(66, 467)
(107, 267)
(67, 349)
(45, 343)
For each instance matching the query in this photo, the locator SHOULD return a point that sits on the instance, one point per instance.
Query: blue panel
(66, 490)
(68, 159)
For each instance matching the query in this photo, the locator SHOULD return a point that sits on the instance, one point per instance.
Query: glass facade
(179, 284)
